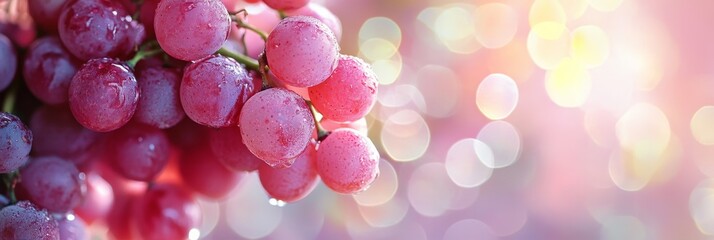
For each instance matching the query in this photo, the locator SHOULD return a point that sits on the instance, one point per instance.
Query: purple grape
(8, 63)
(46, 13)
(98, 28)
(293, 183)
(320, 13)
(48, 70)
(24, 221)
(72, 228)
(15, 142)
(139, 152)
(230, 150)
(167, 212)
(58, 134)
(191, 29)
(53, 183)
(103, 95)
(202, 173)
(214, 89)
(159, 103)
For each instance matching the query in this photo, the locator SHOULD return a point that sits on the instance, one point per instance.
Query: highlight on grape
(371, 119)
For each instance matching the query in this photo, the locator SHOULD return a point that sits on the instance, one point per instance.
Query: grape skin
(293, 183)
(24, 221)
(191, 29)
(48, 70)
(166, 212)
(227, 144)
(347, 161)
(276, 125)
(302, 51)
(159, 102)
(56, 133)
(285, 4)
(46, 13)
(200, 160)
(320, 13)
(214, 90)
(98, 200)
(139, 152)
(72, 228)
(349, 93)
(53, 183)
(8, 63)
(16, 142)
(103, 95)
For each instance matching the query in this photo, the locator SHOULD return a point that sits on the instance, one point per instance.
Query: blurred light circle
(469, 229)
(382, 189)
(591, 45)
(381, 27)
(605, 5)
(496, 24)
(574, 9)
(702, 125)
(385, 215)
(441, 90)
(467, 163)
(542, 11)
(569, 84)
(430, 191)
(643, 131)
(388, 70)
(464, 198)
(623, 227)
(405, 136)
(398, 96)
(512, 60)
(455, 27)
(304, 218)
(600, 126)
(374, 49)
(210, 215)
(548, 43)
(701, 206)
(248, 212)
(497, 96)
(504, 141)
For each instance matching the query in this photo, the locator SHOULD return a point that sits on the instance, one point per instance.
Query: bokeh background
(518, 119)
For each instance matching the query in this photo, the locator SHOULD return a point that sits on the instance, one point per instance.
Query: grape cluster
(135, 108)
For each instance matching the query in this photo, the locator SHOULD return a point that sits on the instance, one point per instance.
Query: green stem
(141, 55)
(282, 14)
(10, 179)
(321, 132)
(8, 104)
(252, 28)
(249, 62)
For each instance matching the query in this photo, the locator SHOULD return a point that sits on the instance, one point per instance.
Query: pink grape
(48, 70)
(25, 221)
(98, 200)
(320, 13)
(347, 161)
(103, 95)
(202, 173)
(8, 63)
(285, 4)
(72, 228)
(16, 142)
(191, 29)
(58, 134)
(159, 102)
(293, 183)
(302, 51)
(360, 125)
(276, 125)
(98, 28)
(53, 183)
(139, 152)
(349, 93)
(187, 134)
(46, 13)
(166, 212)
(214, 89)
(227, 144)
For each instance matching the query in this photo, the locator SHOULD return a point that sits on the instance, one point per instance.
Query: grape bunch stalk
(122, 112)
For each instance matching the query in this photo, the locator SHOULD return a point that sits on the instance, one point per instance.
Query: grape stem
(249, 62)
(141, 55)
(10, 179)
(282, 14)
(8, 104)
(242, 24)
(321, 132)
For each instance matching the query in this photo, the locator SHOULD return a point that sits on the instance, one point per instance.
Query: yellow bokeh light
(374, 49)
(496, 24)
(568, 85)
(388, 70)
(497, 96)
(405, 136)
(382, 189)
(455, 27)
(643, 131)
(381, 27)
(546, 11)
(702, 125)
(548, 43)
(590, 45)
(605, 5)
(574, 9)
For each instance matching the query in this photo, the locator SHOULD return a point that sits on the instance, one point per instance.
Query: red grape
(293, 183)
(360, 125)
(146, 16)
(227, 144)
(8, 63)
(48, 70)
(72, 228)
(16, 142)
(24, 221)
(302, 51)
(98, 200)
(191, 29)
(187, 134)
(58, 134)
(139, 152)
(159, 103)
(214, 89)
(166, 212)
(202, 172)
(98, 28)
(321, 13)
(347, 161)
(46, 13)
(53, 183)
(285, 4)
(276, 125)
(103, 94)
(349, 93)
